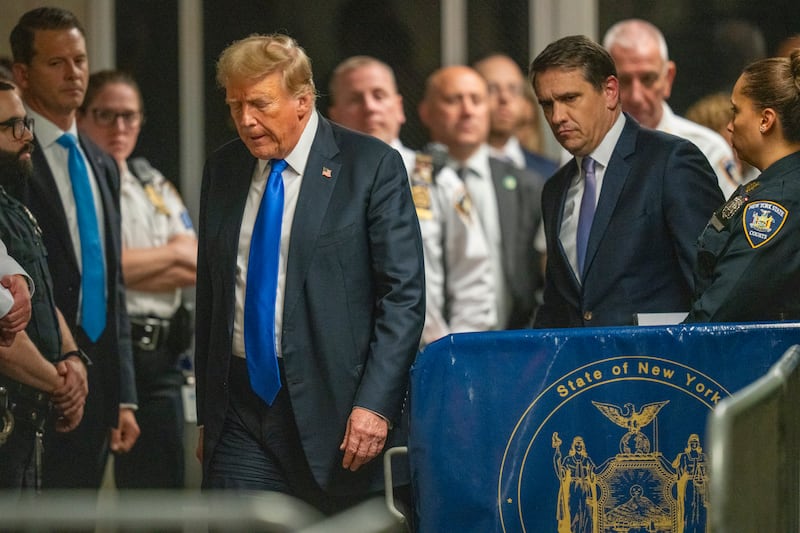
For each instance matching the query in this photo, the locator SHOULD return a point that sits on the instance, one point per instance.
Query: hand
(198, 452)
(69, 398)
(185, 247)
(19, 315)
(364, 438)
(124, 436)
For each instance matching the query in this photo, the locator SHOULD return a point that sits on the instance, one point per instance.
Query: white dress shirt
(292, 179)
(47, 134)
(572, 205)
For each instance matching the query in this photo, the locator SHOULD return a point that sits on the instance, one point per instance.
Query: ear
(768, 119)
(20, 72)
(669, 77)
(611, 92)
(304, 104)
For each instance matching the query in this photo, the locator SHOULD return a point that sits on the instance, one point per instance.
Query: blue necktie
(93, 284)
(262, 286)
(586, 214)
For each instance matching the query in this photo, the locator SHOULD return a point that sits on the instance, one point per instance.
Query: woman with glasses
(748, 264)
(159, 258)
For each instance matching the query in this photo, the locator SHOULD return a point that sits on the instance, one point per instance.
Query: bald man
(458, 279)
(506, 107)
(455, 109)
(645, 84)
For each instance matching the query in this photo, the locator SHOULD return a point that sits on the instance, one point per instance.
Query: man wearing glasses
(41, 366)
(159, 259)
(74, 194)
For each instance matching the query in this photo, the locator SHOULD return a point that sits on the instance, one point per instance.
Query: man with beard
(74, 194)
(43, 367)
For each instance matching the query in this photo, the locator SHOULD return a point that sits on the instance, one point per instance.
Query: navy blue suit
(354, 295)
(658, 193)
(540, 164)
(77, 459)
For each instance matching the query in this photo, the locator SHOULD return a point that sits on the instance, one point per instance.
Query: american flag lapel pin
(326, 172)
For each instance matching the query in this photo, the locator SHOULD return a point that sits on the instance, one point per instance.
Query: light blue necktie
(93, 275)
(262, 286)
(586, 214)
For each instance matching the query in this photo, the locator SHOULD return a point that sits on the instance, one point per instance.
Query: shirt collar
(48, 133)
(602, 154)
(298, 157)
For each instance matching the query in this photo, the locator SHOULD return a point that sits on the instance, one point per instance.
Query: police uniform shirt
(748, 262)
(409, 156)
(459, 286)
(151, 219)
(23, 237)
(478, 178)
(712, 144)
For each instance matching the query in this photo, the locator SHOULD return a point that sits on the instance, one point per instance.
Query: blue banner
(576, 430)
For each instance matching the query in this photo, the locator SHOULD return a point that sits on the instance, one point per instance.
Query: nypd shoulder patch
(762, 220)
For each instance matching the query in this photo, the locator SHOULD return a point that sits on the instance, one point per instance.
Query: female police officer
(748, 266)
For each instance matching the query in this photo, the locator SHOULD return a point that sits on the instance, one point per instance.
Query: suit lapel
(319, 180)
(229, 196)
(613, 182)
(566, 174)
(107, 200)
(45, 189)
(508, 207)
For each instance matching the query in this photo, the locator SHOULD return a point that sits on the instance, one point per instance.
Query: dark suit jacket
(658, 193)
(354, 294)
(111, 354)
(540, 164)
(518, 195)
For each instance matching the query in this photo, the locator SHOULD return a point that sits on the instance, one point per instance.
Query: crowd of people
(328, 253)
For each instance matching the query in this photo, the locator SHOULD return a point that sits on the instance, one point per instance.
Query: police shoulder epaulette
(722, 216)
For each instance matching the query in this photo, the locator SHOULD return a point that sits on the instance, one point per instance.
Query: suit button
(587, 315)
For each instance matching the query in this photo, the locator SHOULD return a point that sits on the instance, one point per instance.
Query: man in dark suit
(455, 108)
(628, 246)
(301, 382)
(506, 100)
(51, 68)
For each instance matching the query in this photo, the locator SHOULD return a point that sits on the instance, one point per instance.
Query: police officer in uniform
(51, 372)
(748, 266)
(159, 258)
(459, 288)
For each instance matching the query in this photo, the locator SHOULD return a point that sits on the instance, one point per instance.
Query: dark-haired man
(74, 194)
(626, 246)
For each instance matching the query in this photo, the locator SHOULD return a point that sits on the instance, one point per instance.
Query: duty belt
(149, 333)
(24, 405)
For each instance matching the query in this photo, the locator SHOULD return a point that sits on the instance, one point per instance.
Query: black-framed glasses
(108, 117)
(18, 126)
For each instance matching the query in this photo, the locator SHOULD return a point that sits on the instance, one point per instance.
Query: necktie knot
(588, 166)
(277, 166)
(67, 140)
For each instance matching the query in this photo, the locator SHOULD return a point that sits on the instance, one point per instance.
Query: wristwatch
(80, 354)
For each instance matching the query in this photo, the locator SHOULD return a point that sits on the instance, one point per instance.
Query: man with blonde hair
(310, 290)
